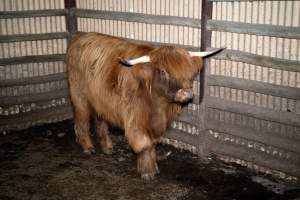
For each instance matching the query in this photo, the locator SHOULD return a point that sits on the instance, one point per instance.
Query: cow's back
(91, 52)
(89, 49)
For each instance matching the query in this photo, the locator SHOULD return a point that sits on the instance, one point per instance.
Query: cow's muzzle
(184, 95)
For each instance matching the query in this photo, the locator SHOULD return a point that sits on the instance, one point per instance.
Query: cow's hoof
(89, 151)
(148, 177)
(107, 151)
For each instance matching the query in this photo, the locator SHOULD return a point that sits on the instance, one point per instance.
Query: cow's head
(169, 71)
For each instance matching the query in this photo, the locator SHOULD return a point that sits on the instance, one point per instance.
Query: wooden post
(203, 142)
(205, 41)
(71, 20)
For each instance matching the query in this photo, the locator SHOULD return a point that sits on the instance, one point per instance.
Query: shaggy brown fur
(138, 99)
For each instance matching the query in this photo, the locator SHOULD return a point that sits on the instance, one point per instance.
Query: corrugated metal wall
(250, 113)
(32, 71)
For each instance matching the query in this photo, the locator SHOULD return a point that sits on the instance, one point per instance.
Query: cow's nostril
(184, 95)
(188, 93)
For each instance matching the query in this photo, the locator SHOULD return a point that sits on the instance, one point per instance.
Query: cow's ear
(197, 62)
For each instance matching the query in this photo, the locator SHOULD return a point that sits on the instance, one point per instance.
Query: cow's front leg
(146, 164)
(154, 157)
(142, 145)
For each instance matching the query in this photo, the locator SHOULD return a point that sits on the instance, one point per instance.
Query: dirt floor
(45, 162)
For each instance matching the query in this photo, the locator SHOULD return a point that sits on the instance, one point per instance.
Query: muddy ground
(44, 162)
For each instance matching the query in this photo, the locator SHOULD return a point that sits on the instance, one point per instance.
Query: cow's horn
(206, 53)
(135, 61)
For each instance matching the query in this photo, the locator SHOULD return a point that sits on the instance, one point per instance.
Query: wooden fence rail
(255, 86)
(32, 13)
(32, 37)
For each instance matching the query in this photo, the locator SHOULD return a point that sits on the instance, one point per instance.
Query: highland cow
(133, 86)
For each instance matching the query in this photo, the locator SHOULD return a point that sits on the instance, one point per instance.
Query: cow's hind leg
(103, 136)
(82, 114)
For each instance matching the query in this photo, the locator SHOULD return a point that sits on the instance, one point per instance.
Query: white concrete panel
(148, 32)
(19, 5)
(284, 13)
(182, 8)
(29, 48)
(32, 25)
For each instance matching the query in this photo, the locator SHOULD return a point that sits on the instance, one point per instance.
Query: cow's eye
(163, 75)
